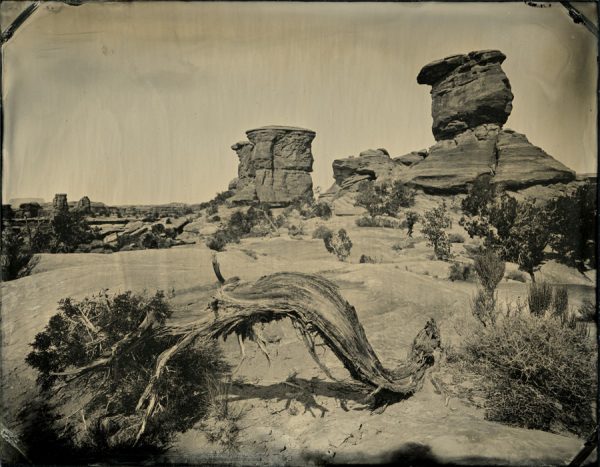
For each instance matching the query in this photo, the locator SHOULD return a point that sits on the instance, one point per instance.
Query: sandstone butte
(471, 101)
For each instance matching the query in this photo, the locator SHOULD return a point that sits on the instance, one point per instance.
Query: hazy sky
(140, 102)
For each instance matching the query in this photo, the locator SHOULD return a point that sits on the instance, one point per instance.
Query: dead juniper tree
(312, 303)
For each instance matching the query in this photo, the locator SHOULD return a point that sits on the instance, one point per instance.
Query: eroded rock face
(372, 164)
(275, 165)
(453, 164)
(467, 91)
(471, 101)
(521, 164)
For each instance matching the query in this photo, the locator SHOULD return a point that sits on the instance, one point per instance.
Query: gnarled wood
(316, 309)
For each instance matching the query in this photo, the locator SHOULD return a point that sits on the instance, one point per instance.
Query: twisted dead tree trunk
(316, 309)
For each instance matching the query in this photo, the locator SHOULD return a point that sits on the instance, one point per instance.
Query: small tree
(384, 198)
(524, 241)
(411, 219)
(338, 244)
(573, 227)
(15, 254)
(433, 224)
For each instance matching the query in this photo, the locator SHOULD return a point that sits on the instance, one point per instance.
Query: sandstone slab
(521, 164)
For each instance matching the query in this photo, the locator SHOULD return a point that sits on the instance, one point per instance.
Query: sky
(139, 103)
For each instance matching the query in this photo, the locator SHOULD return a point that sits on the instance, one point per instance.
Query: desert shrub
(588, 311)
(433, 224)
(15, 254)
(456, 238)
(490, 270)
(322, 210)
(296, 231)
(573, 227)
(148, 241)
(411, 219)
(560, 301)
(483, 307)
(539, 298)
(212, 206)
(366, 259)
(339, 244)
(537, 372)
(366, 221)
(379, 221)
(221, 424)
(321, 232)
(516, 276)
(397, 247)
(83, 331)
(218, 240)
(384, 198)
(214, 219)
(460, 272)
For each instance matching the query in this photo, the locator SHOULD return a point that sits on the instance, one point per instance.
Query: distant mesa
(471, 101)
(274, 166)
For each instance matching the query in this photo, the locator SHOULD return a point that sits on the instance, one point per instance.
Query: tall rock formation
(59, 203)
(471, 101)
(275, 165)
(84, 205)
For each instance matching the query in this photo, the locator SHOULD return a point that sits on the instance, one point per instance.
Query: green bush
(538, 373)
(84, 331)
(539, 298)
(338, 244)
(321, 232)
(433, 224)
(366, 259)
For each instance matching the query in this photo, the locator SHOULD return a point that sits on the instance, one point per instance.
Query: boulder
(112, 238)
(133, 226)
(372, 164)
(274, 165)
(139, 232)
(467, 91)
(179, 223)
(412, 158)
(521, 164)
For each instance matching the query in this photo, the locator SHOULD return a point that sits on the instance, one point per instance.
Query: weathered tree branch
(315, 307)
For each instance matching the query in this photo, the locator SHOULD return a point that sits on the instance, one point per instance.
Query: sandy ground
(315, 421)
